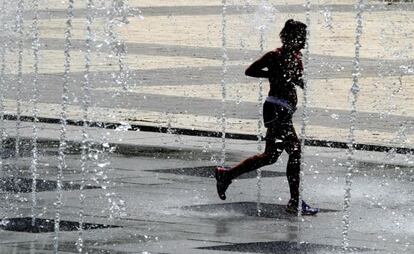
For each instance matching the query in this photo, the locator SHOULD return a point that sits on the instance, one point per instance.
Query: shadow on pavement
(249, 209)
(45, 225)
(209, 172)
(24, 185)
(283, 247)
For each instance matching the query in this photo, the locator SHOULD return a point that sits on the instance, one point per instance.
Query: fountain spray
(35, 96)
(85, 143)
(223, 81)
(305, 102)
(356, 72)
(63, 140)
(260, 127)
(20, 32)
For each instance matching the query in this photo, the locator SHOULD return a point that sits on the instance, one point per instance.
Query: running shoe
(306, 209)
(223, 181)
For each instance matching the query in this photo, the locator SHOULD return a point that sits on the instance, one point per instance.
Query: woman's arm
(256, 69)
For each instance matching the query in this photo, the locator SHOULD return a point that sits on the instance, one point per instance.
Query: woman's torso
(284, 73)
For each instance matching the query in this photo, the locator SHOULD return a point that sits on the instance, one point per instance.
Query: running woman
(283, 67)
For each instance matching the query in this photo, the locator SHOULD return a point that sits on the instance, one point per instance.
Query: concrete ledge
(206, 133)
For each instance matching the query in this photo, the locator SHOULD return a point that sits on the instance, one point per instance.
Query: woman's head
(293, 34)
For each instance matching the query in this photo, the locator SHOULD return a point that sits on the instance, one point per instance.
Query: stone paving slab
(183, 66)
(216, 9)
(155, 220)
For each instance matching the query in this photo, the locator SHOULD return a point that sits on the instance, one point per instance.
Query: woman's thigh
(274, 141)
(281, 137)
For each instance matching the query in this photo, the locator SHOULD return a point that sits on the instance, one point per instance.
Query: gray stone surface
(195, 10)
(178, 213)
(159, 209)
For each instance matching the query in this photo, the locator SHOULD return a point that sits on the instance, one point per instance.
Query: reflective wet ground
(171, 205)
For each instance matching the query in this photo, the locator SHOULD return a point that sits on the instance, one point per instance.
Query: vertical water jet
(305, 101)
(20, 41)
(35, 97)
(3, 89)
(223, 80)
(63, 139)
(118, 13)
(356, 72)
(260, 127)
(85, 143)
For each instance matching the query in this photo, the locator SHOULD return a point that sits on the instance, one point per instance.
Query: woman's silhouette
(283, 67)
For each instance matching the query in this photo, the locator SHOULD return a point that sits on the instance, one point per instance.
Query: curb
(211, 134)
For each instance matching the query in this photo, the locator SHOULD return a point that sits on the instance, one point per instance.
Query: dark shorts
(278, 121)
(275, 115)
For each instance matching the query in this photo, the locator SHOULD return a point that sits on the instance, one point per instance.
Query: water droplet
(335, 116)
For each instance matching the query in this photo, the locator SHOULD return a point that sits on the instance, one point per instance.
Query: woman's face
(297, 41)
(300, 40)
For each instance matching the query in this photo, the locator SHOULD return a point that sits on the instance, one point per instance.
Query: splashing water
(245, 9)
(85, 148)
(260, 131)
(264, 16)
(327, 14)
(400, 137)
(2, 89)
(116, 206)
(305, 113)
(6, 26)
(63, 140)
(123, 126)
(118, 15)
(20, 33)
(169, 122)
(223, 81)
(351, 138)
(103, 163)
(35, 48)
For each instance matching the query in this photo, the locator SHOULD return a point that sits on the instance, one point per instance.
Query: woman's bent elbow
(249, 72)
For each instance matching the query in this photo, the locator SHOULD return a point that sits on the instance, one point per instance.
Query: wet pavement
(161, 198)
(148, 192)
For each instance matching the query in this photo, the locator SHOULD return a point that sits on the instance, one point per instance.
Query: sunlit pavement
(174, 56)
(163, 198)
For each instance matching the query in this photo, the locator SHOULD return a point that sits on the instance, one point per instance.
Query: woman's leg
(293, 148)
(274, 148)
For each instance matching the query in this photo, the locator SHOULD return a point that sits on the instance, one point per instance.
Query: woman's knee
(294, 149)
(269, 158)
(295, 154)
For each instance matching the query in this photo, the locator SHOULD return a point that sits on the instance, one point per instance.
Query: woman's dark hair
(292, 30)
